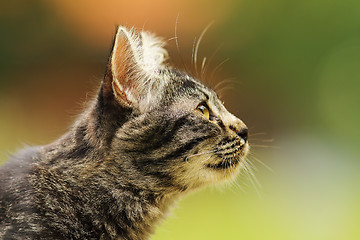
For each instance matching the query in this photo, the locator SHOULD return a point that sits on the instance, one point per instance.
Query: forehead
(197, 91)
(183, 85)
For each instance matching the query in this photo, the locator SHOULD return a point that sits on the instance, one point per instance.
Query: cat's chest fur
(151, 135)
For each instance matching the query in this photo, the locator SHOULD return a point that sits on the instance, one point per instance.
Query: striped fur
(139, 146)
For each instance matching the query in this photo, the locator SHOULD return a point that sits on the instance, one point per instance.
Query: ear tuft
(135, 61)
(154, 54)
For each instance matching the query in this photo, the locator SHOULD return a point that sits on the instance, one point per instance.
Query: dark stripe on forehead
(188, 83)
(207, 96)
(221, 124)
(203, 92)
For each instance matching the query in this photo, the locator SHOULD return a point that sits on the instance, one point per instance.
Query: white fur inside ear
(153, 52)
(148, 50)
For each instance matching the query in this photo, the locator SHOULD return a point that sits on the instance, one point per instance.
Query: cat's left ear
(134, 63)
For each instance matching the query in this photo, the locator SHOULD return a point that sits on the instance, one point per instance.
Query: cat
(152, 134)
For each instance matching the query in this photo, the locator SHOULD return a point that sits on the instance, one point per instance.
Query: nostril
(243, 133)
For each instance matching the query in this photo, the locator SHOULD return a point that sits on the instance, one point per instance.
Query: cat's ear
(135, 60)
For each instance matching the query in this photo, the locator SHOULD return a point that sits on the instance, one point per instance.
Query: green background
(295, 67)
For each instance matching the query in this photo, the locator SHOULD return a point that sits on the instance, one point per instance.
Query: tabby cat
(151, 135)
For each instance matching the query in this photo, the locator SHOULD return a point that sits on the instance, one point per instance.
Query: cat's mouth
(224, 164)
(229, 159)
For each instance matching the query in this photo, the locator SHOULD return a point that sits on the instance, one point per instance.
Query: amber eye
(204, 110)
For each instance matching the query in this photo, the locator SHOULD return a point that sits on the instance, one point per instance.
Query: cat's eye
(204, 110)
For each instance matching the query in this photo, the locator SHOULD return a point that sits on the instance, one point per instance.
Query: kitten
(152, 134)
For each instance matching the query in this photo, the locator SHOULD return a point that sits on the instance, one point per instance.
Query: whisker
(198, 44)
(225, 168)
(221, 91)
(206, 159)
(234, 182)
(170, 39)
(202, 153)
(251, 165)
(237, 185)
(225, 81)
(252, 173)
(177, 44)
(262, 163)
(264, 146)
(210, 61)
(193, 57)
(217, 68)
(243, 168)
(203, 64)
(257, 134)
(252, 178)
(263, 140)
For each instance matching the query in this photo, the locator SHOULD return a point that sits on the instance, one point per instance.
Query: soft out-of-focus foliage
(296, 76)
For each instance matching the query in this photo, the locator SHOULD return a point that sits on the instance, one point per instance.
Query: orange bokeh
(95, 20)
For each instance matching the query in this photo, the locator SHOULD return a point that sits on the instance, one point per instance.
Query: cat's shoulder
(19, 165)
(17, 214)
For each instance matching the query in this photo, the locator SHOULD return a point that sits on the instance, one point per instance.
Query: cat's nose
(243, 133)
(239, 128)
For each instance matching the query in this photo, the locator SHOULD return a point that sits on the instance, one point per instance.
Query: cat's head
(174, 129)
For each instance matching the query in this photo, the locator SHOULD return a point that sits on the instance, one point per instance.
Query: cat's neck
(79, 163)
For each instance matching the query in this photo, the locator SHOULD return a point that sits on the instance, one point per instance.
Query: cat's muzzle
(230, 153)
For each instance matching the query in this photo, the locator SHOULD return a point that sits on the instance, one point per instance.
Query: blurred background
(295, 70)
